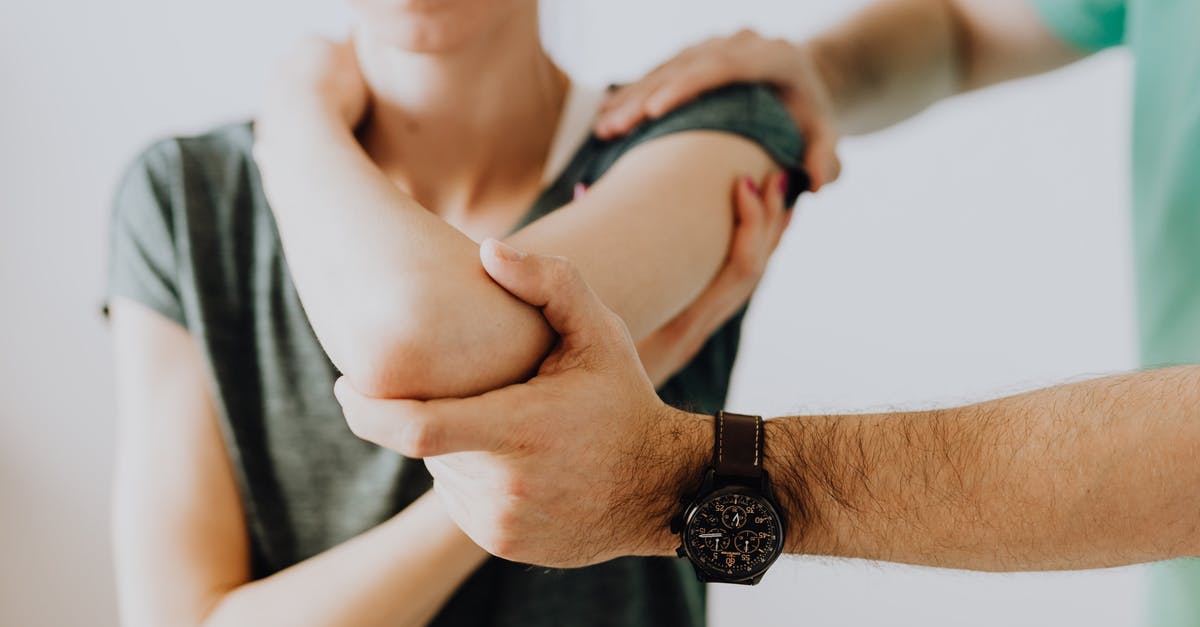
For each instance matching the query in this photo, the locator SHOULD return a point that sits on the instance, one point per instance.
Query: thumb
(821, 161)
(551, 284)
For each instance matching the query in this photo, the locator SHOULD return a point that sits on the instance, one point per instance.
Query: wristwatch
(732, 531)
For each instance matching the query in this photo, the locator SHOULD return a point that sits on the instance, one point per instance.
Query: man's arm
(882, 65)
(1092, 474)
(896, 58)
(1086, 475)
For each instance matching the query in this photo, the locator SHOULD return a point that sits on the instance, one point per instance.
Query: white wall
(979, 249)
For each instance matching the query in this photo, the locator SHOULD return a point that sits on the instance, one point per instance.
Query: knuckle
(614, 327)
(517, 488)
(418, 439)
(562, 273)
(505, 536)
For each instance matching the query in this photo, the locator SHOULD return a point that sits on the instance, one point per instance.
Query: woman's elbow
(395, 365)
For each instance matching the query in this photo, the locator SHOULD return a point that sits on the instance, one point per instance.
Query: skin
(181, 545)
(1093, 474)
(650, 235)
(583, 463)
(880, 67)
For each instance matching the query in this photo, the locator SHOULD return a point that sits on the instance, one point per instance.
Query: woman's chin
(432, 27)
(424, 38)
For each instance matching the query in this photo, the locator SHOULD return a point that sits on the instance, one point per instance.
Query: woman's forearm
(399, 573)
(399, 299)
(389, 287)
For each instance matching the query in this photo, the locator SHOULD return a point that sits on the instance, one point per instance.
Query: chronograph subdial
(715, 540)
(733, 517)
(747, 542)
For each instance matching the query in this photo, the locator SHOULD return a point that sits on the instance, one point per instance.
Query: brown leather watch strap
(738, 450)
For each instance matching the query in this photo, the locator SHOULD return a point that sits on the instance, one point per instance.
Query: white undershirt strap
(574, 127)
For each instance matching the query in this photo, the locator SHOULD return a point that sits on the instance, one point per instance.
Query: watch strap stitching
(758, 428)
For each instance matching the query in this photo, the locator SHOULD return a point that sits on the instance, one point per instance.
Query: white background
(976, 250)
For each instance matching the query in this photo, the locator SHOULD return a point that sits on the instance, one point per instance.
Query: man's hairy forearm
(889, 62)
(897, 57)
(1086, 475)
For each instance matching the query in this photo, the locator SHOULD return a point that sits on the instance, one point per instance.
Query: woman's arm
(397, 296)
(182, 552)
(762, 217)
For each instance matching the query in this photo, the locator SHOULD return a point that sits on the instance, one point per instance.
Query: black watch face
(734, 533)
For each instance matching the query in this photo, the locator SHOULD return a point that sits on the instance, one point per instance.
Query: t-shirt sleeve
(1089, 25)
(748, 110)
(142, 252)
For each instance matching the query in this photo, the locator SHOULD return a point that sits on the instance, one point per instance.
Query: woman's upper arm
(653, 231)
(179, 533)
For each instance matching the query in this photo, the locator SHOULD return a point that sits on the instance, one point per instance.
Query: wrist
(684, 450)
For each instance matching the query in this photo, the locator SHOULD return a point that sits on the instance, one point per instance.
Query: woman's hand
(761, 220)
(744, 57)
(318, 81)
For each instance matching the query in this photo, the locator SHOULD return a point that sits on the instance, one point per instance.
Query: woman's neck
(468, 128)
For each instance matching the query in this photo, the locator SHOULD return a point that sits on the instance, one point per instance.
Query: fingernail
(783, 183)
(506, 252)
(580, 190)
(750, 183)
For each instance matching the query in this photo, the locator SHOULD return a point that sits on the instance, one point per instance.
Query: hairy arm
(897, 57)
(1086, 475)
(425, 320)
(181, 547)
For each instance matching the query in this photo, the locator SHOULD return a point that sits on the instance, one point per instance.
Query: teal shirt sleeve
(1089, 25)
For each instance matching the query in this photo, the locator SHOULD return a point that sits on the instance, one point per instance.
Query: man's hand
(744, 57)
(581, 464)
(761, 218)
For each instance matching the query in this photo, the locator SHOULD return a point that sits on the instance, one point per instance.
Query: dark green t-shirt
(194, 239)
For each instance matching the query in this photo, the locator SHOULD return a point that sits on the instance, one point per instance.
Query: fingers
(761, 219)
(821, 160)
(743, 57)
(774, 202)
(658, 94)
(552, 284)
(688, 83)
(751, 214)
(425, 429)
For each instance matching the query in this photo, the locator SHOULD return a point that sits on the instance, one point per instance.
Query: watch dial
(734, 534)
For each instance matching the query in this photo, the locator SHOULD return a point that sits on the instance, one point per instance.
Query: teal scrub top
(1164, 36)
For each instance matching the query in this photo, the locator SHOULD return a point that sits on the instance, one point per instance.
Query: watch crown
(680, 552)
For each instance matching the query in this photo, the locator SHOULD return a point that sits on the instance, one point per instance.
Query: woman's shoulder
(184, 202)
(209, 176)
(749, 110)
(199, 157)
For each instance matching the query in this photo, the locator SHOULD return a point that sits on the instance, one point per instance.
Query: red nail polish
(783, 183)
(750, 183)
